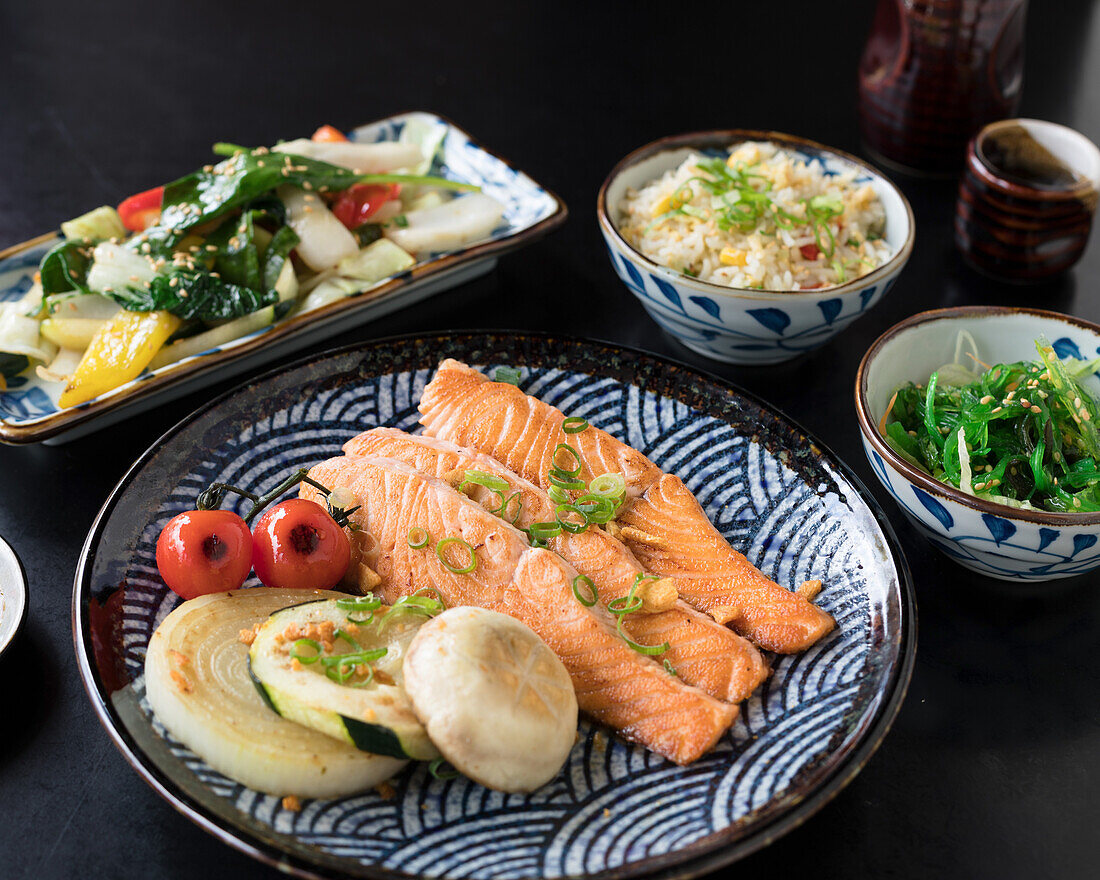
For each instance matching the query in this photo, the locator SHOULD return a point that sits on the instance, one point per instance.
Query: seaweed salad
(1022, 434)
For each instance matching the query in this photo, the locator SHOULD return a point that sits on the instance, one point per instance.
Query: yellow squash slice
(118, 352)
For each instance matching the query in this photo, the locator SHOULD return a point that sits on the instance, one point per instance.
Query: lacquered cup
(1017, 232)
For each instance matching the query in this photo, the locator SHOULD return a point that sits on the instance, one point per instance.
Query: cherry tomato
(297, 545)
(354, 206)
(810, 251)
(141, 211)
(204, 551)
(327, 134)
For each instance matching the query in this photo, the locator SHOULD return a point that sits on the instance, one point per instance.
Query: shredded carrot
(886, 415)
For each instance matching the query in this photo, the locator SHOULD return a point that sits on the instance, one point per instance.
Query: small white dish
(732, 324)
(992, 539)
(13, 595)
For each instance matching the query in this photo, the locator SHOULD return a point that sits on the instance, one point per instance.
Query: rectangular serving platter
(28, 407)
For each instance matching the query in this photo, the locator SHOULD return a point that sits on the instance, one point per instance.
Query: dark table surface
(992, 767)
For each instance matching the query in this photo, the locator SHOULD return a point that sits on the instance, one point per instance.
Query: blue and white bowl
(992, 539)
(734, 324)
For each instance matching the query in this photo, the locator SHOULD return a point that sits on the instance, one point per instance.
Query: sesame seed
(1036, 409)
(997, 409)
(987, 399)
(1024, 402)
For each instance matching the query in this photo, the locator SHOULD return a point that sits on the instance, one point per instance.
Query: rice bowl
(758, 216)
(737, 324)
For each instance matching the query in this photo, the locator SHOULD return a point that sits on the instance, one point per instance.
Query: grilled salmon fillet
(662, 522)
(702, 652)
(615, 685)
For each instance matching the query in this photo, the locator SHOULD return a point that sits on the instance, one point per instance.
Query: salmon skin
(615, 685)
(702, 652)
(663, 523)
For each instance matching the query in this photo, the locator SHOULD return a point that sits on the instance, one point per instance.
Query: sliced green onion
(418, 537)
(648, 650)
(340, 634)
(624, 605)
(355, 658)
(608, 485)
(441, 548)
(489, 481)
(342, 667)
(593, 596)
(367, 604)
(574, 425)
(312, 644)
(562, 515)
(441, 770)
(629, 604)
(670, 669)
(563, 481)
(519, 506)
(576, 456)
(541, 531)
(417, 603)
(558, 495)
(508, 375)
(599, 510)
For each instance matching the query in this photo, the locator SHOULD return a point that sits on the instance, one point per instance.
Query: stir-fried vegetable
(219, 252)
(1022, 434)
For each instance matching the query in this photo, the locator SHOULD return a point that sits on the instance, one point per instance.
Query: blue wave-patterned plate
(28, 405)
(615, 810)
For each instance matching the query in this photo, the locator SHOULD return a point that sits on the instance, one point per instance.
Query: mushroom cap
(496, 701)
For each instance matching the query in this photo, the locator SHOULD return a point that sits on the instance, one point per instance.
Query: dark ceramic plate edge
(707, 854)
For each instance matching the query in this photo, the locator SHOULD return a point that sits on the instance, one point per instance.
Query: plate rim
(66, 419)
(716, 849)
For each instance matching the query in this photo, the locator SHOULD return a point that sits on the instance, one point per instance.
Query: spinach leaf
(12, 364)
(156, 241)
(194, 293)
(213, 190)
(237, 259)
(65, 267)
(278, 250)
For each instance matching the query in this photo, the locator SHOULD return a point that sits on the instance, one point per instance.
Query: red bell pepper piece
(354, 206)
(141, 211)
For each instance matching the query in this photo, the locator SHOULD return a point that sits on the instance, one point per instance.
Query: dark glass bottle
(933, 72)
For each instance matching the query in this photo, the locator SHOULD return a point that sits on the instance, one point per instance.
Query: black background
(993, 766)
